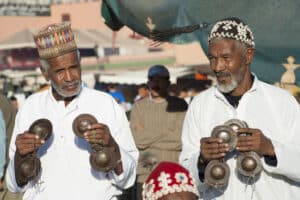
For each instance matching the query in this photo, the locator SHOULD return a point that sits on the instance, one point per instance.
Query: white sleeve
(190, 144)
(10, 173)
(128, 150)
(288, 150)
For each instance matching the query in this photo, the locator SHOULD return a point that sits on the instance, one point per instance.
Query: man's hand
(99, 133)
(254, 140)
(27, 143)
(212, 148)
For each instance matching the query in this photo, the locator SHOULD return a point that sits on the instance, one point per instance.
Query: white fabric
(66, 171)
(272, 110)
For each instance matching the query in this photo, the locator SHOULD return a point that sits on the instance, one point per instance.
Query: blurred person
(272, 115)
(98, 85)
(184, 94)
(9, 114)
(14, 102)
(66, 172)
(143, 92)
(117, 95)
(170, 181)
(173, 90)
(156, 124)
(43, 87)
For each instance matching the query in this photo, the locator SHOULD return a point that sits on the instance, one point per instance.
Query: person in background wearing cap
(170, 181)
(65, 169)
(156, 124)
(272, 115)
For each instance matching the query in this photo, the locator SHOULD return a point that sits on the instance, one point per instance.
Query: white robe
(272, 110)
(66, 171)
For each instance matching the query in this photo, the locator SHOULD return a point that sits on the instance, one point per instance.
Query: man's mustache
(70, 84)
(222, 74)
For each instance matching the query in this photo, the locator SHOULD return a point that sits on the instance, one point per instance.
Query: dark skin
(65, 74)
(226, 56)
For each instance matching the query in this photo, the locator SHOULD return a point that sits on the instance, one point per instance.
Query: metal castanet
(236, 124)
(249, 164)
(102, 157)
(30, 165)
(227, 134)
(217, 174)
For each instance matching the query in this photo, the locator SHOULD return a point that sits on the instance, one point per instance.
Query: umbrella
(275, 24)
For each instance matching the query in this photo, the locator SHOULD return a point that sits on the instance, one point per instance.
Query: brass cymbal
(217, 174)
(81, 123)
(227, 134)
(42, 128)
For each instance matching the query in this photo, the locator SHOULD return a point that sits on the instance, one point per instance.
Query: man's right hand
(212, 148)
(27, 143)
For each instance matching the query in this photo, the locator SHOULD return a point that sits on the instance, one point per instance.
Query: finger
(210, 140)
(244, 148)
(97, 126)
(27, 135)
(28, 148)
(216, 156)
(248, 131)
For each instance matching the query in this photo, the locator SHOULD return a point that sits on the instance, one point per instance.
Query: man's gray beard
(229, 87)
(58, 90)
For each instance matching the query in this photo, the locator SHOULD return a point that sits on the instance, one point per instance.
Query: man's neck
(245, 85)
(158, 99)
(58, 97)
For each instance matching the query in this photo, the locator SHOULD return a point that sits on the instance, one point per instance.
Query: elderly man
(65, 171)
(272, 116)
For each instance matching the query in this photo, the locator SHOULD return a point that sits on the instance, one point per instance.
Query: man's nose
(220, 65)
(68, 75)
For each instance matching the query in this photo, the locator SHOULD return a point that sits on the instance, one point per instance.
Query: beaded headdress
(232, 28)
(168, 178)
(55, 40)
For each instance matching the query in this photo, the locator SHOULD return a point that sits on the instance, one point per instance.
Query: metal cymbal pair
(30, 165)
(248, 163)
(102, 158)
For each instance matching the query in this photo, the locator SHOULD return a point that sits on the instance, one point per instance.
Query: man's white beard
(62, 94)
(226, 88)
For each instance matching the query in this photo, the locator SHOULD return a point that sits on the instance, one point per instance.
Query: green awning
(275, 24)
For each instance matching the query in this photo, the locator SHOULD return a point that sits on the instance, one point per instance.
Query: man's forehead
(68, 59)
(222, 45)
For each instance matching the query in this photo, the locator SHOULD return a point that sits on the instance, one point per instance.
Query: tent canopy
(275, 24)
(85, 38)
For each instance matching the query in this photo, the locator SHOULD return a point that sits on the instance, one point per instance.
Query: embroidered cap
(168, 178)
(232, 28)
(55, 40)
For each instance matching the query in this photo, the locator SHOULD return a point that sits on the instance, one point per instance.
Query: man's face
(143, 92)
(64, 72)
(227, 60)
(158, 86)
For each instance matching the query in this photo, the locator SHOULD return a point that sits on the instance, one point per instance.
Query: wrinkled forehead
(64, 60)
(223, 46)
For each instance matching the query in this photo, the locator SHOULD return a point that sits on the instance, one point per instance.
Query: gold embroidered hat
(55, 40)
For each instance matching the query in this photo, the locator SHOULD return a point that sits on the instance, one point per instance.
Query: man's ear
(45, 73)
(249, 55)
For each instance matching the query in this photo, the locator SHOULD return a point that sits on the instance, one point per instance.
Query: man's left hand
(99, 133)
(254, 140)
